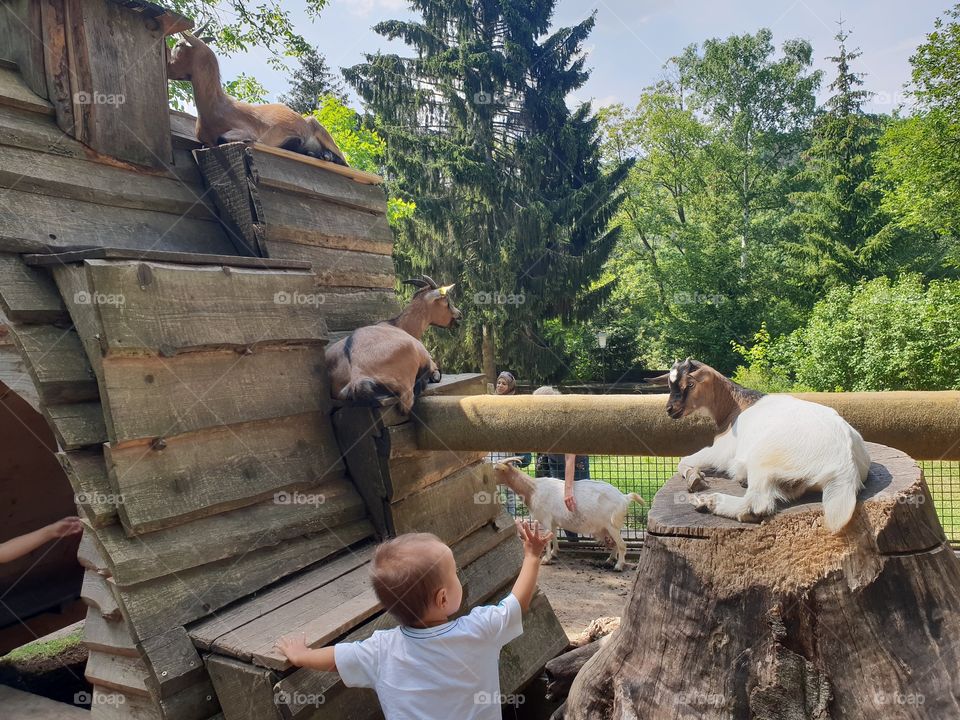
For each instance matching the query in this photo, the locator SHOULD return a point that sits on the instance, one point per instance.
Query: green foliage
(761, 371)
(879, 335)
(246, 88)
(311, 81)
(511, 199)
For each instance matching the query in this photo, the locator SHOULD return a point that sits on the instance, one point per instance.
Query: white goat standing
(777, 446)
(601, 508)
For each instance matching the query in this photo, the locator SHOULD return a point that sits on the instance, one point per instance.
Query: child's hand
(534, 539)
(294, 647)
(65, 527)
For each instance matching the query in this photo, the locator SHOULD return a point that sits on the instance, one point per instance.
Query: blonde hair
(405, 575)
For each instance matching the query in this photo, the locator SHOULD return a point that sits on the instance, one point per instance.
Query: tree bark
(783, 621)
(489, 354)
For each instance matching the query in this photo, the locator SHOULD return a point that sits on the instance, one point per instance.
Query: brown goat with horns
(388, 359)
(222, 119)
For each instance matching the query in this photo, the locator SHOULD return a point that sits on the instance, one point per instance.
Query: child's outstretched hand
(294, 648)
(533, 537)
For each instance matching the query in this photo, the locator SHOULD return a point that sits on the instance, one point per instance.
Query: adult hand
(65, 527)
(570, 501)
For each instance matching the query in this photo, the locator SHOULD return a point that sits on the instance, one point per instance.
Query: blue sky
(633, 38)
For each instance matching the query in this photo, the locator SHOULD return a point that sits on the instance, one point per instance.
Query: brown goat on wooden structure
(222, 119)
(388, 359)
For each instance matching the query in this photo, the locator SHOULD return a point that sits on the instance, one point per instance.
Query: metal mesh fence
(645, 475)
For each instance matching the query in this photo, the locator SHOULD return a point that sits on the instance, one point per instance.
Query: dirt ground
(581, 591)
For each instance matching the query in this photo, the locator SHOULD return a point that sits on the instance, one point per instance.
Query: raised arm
(533, 544)
(569, 471)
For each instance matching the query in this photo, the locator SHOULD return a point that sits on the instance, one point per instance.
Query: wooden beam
(78, 425)
(57, 363)
(87, 472)
(339, 268)
(414, 473)
(165, 256)
(173, 664)
(169, 481)
(15, 93)
(245, 692)
(349, 309)
(122, 673)
(97, 593)
(28, 295)
(352, 173)
(107, 636)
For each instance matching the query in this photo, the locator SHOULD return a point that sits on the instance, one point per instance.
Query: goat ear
(658, 380)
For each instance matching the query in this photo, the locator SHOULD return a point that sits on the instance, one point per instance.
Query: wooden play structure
(165, 310)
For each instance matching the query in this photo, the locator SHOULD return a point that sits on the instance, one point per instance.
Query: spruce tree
(512, 201)
(839, 217)
(313, 79)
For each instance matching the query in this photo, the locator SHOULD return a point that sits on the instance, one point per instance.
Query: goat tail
(364, 391)
(637, 498)
(840, 499)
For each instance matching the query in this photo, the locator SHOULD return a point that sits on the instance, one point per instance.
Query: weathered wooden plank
(307, 220)
(169, 308)
(78, 425)
(188, 546)
(245, 692)
(57, 363)
(196, 702)
(28, 295)
(284, 174)
(14, 92)
(97, 593)
(21, 42)
(359, 176)
(108, 636)
(206, 632)
(44, 173)
(228, 174)
(360, 437)
(412, 473)
(340, 268)
(122, 673)
(451, 508)
(177, 599)
(322, 615)
(543, 639)
(89, 555)
(183, 126)
(173, 663)
(21, 128)
(350, 309)
(115, 705)
(59, 259)
(114, 54)
(13, 370)
(54, 18)
(149, 396)
(87, 472)
(39, 222)
(169, 481)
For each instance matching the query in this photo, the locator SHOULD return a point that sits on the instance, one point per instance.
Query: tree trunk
(783, 621)
(489, 354)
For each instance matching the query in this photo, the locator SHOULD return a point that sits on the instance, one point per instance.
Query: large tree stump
(783, 621)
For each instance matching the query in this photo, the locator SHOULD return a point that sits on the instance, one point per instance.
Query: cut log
(562, 670)
(784, 620)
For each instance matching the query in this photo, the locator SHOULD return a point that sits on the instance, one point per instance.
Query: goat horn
(445, 289)
(192, 40)
(512, 461)
(430, 281)
(416, 282)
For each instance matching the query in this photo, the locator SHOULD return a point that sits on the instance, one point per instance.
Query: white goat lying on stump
(601, 508)
(777, 446)
(222, 119)
(377, 362)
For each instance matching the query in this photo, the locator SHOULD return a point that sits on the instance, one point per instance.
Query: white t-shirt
(443, 672)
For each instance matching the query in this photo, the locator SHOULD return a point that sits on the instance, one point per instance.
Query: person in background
(19, 546)
(507, 385)
(567, 466)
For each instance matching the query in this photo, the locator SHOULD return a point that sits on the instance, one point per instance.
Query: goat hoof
(618, 567)
(704, 503)
(696, 481)
(743, 482)
(747, 517)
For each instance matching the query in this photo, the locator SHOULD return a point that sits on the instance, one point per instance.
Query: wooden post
(782, 619)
